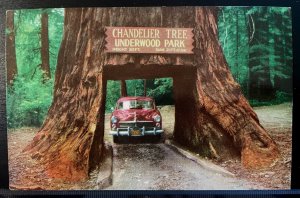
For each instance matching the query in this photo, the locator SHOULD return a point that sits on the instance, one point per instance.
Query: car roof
(135, 98)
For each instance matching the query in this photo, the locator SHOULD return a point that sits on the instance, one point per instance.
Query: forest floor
(276, 119)
(26, 174)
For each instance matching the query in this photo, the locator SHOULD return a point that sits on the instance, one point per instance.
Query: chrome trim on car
(134, 121)
(126, 132)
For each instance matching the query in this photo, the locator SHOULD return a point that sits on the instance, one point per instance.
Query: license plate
(135, 132)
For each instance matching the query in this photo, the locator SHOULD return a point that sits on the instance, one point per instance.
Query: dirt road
(158, 167)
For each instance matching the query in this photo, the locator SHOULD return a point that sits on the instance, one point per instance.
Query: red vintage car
(135, 116)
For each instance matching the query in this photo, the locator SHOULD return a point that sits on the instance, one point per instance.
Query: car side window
(147, 105)
(124, 105)
(120, 106)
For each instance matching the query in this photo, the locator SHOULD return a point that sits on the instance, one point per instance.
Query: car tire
(116, 139)
(159, 138)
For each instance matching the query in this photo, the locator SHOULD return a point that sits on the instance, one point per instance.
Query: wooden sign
(151, 40)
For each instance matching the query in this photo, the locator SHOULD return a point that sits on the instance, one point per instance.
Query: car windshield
(135, 104)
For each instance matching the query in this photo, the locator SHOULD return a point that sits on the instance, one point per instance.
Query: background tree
(11, 62)
(281, 46)
(45, 46)
(233, 35)
(260, 86)
(123, 88)
(256, 32)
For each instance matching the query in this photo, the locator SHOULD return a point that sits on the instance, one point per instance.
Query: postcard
(149, 98)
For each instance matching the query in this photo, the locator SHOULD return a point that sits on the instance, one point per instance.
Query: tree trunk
(145, 87)
(211, 113)
(123, 88)
(11, 62)
(45, 46)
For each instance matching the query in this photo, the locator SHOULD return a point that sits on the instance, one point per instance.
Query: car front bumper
(128, 132)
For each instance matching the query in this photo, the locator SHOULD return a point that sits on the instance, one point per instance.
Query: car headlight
(157, 118)
(114, 119)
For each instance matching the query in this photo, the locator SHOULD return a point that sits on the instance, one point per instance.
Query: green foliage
(162, 91)
(281, 97)
(28, 101)
(28, 41)
(163, 86)
(29, 98)
(113, 93)
(281, 44)
(27, 24)
(135, 87)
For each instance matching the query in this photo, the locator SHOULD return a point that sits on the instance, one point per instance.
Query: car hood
(139, 114)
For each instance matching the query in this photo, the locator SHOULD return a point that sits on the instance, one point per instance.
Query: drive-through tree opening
(116, 74)
(187, 124)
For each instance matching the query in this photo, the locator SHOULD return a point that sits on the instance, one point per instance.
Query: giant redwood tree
(211, 115)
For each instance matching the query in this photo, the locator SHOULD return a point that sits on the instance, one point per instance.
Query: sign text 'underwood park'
(149, 40)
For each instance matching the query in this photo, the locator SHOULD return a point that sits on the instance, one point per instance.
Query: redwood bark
(211, 115)
(123, 88)
(45, 46)
(11, 62)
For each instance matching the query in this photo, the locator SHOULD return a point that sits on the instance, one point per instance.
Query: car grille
(138, 124)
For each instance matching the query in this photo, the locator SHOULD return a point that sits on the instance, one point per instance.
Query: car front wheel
(116, 139)
(160, 138)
